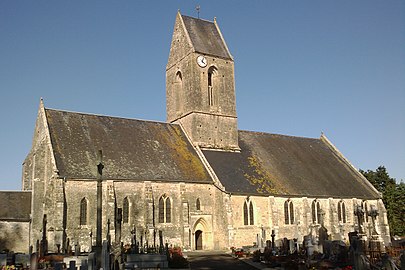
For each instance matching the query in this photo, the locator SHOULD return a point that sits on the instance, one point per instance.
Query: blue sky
(301, 67)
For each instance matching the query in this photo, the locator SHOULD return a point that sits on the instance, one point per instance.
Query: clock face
(202, 61)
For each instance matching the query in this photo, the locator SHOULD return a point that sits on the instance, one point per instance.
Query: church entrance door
(198, 240)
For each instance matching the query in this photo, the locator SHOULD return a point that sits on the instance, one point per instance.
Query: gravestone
(22, 260)
(105, 256)
(91, 261)
(3, 259)
(58, 266)
(72, 265)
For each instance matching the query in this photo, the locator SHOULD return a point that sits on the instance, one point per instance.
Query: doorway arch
(198, 240)
(202, 235)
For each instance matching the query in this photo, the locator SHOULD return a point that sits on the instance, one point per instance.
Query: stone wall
(40, 176)
(143, 198)
(269, 215)
(14, 236)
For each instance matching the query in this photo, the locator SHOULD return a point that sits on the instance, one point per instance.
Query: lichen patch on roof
(285, 165)
(132, 149)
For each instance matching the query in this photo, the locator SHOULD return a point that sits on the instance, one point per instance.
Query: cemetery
(318, 252)
(315, 252)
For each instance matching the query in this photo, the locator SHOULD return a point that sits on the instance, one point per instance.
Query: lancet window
(165, 209)
(341, 212)
(289, 212)
(316, 212)
(83, 211)
(125, 210)
(248, 213)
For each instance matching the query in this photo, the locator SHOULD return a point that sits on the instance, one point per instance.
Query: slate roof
(18, 205)
(285, 165)
(132, 149)
(206, 37)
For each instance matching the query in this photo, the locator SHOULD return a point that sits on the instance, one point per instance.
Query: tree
(393, 197)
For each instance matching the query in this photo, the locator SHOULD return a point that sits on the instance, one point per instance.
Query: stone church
(196, 177)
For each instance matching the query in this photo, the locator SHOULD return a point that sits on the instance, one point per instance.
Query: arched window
(165, 210)
(125, 210)
(245, 214)
(248, 213)
(83, 211)
(288, 212)
(178, 90)
(251, 213)
(341, 212)
(168, 211)
(198, 204)
(316, 212)
(212, 86)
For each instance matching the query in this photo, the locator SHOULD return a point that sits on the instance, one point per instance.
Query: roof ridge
(194, 18)
(111, 116)
(277, 134)
(15, 191)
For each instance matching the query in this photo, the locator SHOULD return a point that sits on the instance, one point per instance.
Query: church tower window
(198, 204)
(83, 211)
(178, 90)
(165, 210)
(341, 212)
(289, 212)
(125, 210)
(212, 86)
(316, 212)
(248, 213)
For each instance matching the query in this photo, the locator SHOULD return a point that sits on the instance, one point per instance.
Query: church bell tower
(200, 84)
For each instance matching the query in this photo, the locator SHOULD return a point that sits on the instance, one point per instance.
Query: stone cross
(273, 235)
(359, 212)
(44, 241)
(373, 213)
(133, 233)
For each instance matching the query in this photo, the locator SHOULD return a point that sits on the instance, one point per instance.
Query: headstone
(58, 266)
(22, 260)
(291, 246)
(3, 260)
(77, 250)
(72, 265)
(84, 265)
(105, 256)
(308, 244)
(91, 261)
(34, 261)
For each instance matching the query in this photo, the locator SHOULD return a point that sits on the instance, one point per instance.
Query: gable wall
(40, 176)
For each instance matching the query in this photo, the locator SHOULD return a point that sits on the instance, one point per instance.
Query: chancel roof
(131, 149)
(18, 205)
(270, 164)
(205, 37)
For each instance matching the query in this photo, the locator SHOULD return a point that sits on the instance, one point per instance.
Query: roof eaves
(222, 38)
(333, 148)
(185, 30)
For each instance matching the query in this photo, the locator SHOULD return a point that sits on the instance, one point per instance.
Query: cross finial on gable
(198, 11)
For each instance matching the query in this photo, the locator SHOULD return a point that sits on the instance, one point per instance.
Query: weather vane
(198, 11)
